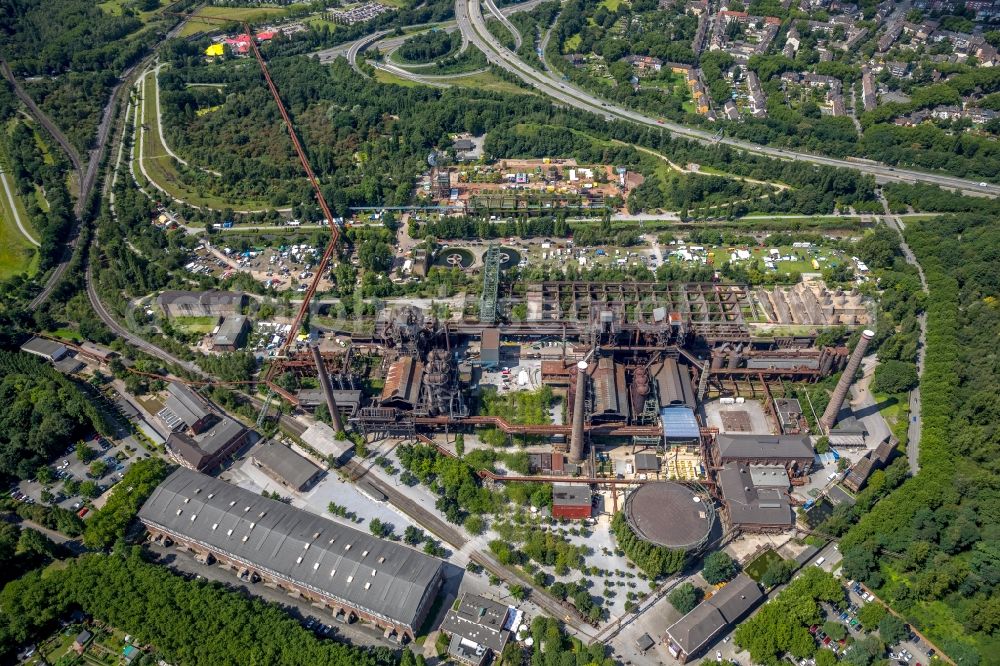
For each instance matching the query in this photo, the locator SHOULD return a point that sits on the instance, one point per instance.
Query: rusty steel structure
(324, 383)
(829, 418)
(324, 262)
(576, 442)
(642, 313)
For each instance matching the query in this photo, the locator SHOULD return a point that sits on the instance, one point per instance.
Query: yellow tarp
(215, 50)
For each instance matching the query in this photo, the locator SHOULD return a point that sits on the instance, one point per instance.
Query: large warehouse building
(350, 573)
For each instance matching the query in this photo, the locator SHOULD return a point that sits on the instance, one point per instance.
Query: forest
(932, 547)
(429, 46)
(73, 50)
(32, 169)
(368, 142)
(43, 412)
(170, 613)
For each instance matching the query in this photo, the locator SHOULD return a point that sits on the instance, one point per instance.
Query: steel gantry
(491, 285)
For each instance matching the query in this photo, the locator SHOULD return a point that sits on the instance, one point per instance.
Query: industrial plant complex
(613, 333)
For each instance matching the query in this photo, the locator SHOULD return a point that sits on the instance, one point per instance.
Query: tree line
(42, 413)
(173, 615)
(930, 548)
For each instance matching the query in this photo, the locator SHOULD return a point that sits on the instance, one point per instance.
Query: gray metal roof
(647, 462)
(181, 444)
(791, 447)
(284, 463)
(48, 349)
(727, 607)
(737, 597)
(379, 577)
(230, 331)
(185, 404)
(479, 620)
(674, 384)
(696, 628)
(749, 505)
(769, 476)
(570, 494)
(68, 365)
(219, 435)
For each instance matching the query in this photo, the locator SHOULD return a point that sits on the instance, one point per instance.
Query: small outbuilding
(571, 500)
(81, 640)
(285, 466)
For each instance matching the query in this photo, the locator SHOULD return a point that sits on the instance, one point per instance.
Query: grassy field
(17, 254)
(196, 324)
(116, 7)
(42, 146)
(488, 81)
(162, 169)
(386, 77)
(236, 14)
(759, 565)
(67, 334)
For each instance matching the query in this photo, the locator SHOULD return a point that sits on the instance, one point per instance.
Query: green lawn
(67, 334)
(386, 77)
(116, 7)
(756, 568)
(572, 43)
(17, 254)
(487, 81)
(196, 324)
(612, 5)
(237, 14)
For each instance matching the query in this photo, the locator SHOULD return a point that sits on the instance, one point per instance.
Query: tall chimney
(829, 418)
(576, 437)
(324, 383)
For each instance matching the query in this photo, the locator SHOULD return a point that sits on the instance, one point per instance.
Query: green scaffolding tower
(491, 285)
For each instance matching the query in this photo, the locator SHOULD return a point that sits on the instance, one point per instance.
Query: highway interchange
(471, 22)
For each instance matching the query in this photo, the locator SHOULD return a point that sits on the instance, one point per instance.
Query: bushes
(655, 561)
(685, 597)
(894, 377)
(110, 522)
(718, 567)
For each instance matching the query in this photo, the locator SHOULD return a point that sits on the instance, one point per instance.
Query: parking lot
(68, 472)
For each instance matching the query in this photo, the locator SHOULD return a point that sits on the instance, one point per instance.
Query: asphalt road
(13, 208)
(88, 175)
(916, 421)
(470, 19)
(184, 563)
(457, 539)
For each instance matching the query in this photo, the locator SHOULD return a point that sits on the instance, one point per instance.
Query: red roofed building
(239, 43)
(266, 35)
(571, 501)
